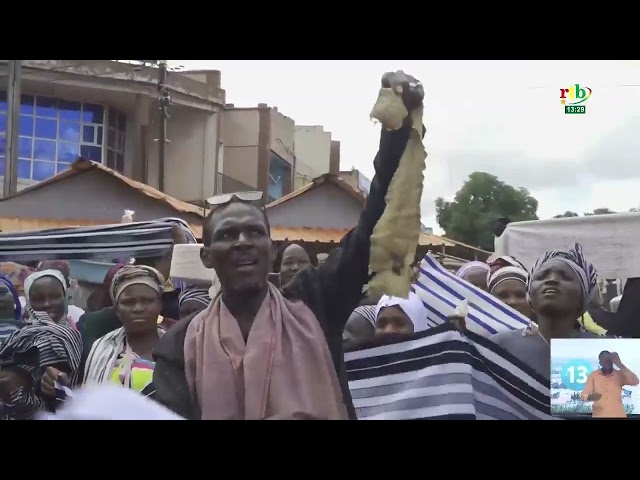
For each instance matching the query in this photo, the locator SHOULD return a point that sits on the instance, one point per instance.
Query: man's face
(606, 362)
(240, 249)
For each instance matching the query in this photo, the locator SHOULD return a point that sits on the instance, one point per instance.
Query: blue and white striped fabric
(441, 374)
(441, 292)
(103, 242)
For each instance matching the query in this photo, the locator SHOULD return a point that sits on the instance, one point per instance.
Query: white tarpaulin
(610, 242)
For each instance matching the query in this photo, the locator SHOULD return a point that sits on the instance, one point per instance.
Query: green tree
(471, 216)
(567, 214)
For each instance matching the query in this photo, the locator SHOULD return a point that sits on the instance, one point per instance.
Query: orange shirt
(610, 387)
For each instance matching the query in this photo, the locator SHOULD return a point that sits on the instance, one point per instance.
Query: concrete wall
(282, 139)
(190, 155)
(240, 133)
(313, 150)
(326, 206)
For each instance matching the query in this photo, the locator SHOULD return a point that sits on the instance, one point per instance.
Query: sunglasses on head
(224, 198)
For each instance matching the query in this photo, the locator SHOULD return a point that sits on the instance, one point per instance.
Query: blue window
(115, 140)
(279, 177)
(55, 132)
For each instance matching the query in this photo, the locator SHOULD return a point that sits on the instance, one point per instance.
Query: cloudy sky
(500, 117)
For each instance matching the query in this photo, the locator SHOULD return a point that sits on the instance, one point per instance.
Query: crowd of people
(255, 349)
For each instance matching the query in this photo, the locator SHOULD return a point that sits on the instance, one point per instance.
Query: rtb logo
(573, 97)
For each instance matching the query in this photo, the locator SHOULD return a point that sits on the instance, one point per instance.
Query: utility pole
(13, 126)
(164, 100)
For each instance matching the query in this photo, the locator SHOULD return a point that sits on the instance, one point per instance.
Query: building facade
(266, 150)
(316, 154)
(107, 111)
(258, 150)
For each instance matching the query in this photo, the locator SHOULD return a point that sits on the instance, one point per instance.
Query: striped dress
(39, 344)
(441, 374)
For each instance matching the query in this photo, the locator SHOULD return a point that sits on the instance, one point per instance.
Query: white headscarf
(412, 307)
(30, 280)
(472, 266)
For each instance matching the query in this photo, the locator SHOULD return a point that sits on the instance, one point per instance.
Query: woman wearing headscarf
(507, 281)
(10, 309)
(74, 313)
(400, 315)
(290, 259)
(16, 274)
(123, 356)
(560, 287)
(192, 300)
(93, 325)
(475, 273)
(46, 291)
(41, 345)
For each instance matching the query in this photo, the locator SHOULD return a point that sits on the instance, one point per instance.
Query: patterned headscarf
(505, 268)
(196, 294)
(471, 266)
(16, 273)
(129, 275)
(16, 297)
(584, 270)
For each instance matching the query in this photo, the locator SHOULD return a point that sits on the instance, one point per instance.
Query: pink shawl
(285, 369)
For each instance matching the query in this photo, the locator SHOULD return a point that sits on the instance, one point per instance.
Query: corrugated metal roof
(14, 224)
(322, 179)
(470, 247)
(81, 165)
(307, 234)
(27, 224)
(301, 234)
(311, 234)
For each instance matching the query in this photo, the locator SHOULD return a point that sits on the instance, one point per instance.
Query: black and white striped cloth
(39, 344)
(102, 242)
(441, 374)
(368, 312)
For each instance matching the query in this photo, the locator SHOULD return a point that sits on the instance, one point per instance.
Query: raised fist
(412, 89)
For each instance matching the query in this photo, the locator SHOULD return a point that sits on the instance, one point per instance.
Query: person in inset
(561, 285)
(475, 273)
(400, 315)
(604, 386)
(507, 281)
(260, 353)
(10, 309)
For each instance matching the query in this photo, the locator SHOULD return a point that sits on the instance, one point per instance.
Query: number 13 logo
(575, 373)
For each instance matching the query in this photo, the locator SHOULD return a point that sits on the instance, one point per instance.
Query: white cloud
(502, 117)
